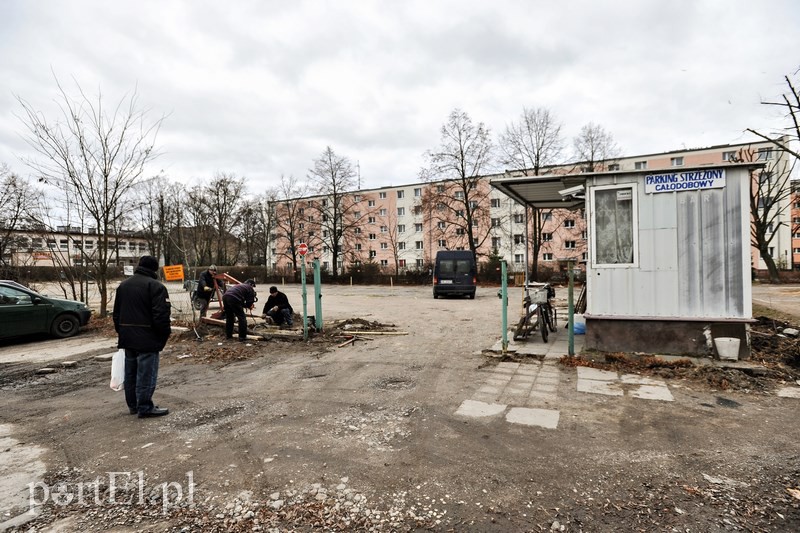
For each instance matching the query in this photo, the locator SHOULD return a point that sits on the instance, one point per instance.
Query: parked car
(24, 312)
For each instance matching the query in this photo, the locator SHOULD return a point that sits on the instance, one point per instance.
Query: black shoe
(133, 411)
(156, 411)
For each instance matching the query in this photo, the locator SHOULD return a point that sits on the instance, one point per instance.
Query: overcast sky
(260, 88)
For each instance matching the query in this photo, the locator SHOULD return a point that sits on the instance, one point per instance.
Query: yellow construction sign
(173, 273)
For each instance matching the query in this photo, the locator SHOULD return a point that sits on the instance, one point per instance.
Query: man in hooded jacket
(142, 322)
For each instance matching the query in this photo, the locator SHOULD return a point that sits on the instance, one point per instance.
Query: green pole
(317, 294)
(305, 299)
(504, 299)
(571, 311)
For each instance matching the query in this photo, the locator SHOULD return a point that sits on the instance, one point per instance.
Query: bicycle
(539, 313)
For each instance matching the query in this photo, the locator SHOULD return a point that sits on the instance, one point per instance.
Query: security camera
(572, 192)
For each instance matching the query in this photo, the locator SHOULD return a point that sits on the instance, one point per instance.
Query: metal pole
(317, 294)
(305, 299)
(504, 300)
(571, 311)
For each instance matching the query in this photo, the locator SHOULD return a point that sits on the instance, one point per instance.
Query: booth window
(615, 225)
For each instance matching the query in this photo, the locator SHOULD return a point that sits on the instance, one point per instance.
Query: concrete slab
(634, 379)
(652, 392)
(789, 392)
(477, 409)
(593, 386)
(77, 347)
(545, 418)
(487, 389)
(585, 372)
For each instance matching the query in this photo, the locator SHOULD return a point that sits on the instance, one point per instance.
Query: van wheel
(435, 296)
(472, 296)
(65, 326)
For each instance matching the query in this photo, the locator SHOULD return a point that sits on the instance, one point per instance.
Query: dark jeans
(234, 310)
(283, 315)
(203, 305)
(141, 374)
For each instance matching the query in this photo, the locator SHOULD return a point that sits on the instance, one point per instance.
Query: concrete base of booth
(660, 336)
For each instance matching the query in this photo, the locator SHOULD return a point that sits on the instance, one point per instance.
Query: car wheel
(435, 296)
(64, 326)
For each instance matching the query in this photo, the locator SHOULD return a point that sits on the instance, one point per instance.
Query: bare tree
(595, 148)
(790, 103)
(18, 203)
(460, 198)
(334, 178)
(291, 219)
(216, 210)
(98, 156)
(533, 142)
(770, 198)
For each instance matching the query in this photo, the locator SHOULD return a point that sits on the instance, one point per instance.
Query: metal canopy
(540, 191)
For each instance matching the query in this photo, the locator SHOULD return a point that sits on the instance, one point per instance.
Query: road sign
(302, 248)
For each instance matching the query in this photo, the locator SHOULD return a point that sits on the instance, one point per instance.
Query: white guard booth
(668, 270)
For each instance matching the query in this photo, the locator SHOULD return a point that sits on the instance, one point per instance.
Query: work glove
(275, 309)
(264, 316)
(207, 289)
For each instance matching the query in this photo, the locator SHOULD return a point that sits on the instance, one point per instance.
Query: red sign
(302, 248)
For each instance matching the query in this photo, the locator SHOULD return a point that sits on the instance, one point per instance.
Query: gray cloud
(260, 88)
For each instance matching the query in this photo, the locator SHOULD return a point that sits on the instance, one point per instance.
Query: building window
(519, 258)
(324, 202)
(585, 256)
(401, 228)
(547, 237)
(384, 229)
(402, 263)
(640, 165)
(357, 231)
(420, 263)
(418, 192)
(418, 245)
(613, 167)
(401, 211)
(764, 154)
(373, 237)
(401, 246)
(459, 195)
(358, 247)
(614, 238)
(729, 156)
(441, 225)
(440, 188)
(519, 239)
(382, 195)
(371, 220)
(401, 194)
(584, 234)
(384, 263)
(519, 218)
(569, 245)
(547, 257)
(460, 213)
(495, 222)
(547, 216)
(357, 198)
(796, 250)
(442, 243)
(460, 231)
(372, 254)
(569, 223)
(417, 227)
(676, 161)
(497, 243)
(384, 246)
(495, 202)
(382, 212)
(371, 203)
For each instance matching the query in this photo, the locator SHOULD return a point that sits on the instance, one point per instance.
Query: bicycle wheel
(543, 325)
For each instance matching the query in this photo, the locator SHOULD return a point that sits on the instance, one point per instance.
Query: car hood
(66, 304)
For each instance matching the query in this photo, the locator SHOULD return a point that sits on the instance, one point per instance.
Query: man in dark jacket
(141, 320)
(236, 299)
(277, 308)
(205, 288)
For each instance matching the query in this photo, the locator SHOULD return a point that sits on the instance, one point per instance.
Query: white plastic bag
(118, 370)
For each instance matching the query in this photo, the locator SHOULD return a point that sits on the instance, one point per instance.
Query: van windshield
(456, 266)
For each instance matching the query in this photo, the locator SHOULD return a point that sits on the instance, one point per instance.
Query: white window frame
(634, 187)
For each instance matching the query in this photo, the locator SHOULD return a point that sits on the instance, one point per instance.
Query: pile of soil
(775, 358)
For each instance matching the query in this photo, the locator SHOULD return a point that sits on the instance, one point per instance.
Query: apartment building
(400, 228)
(69, 246)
